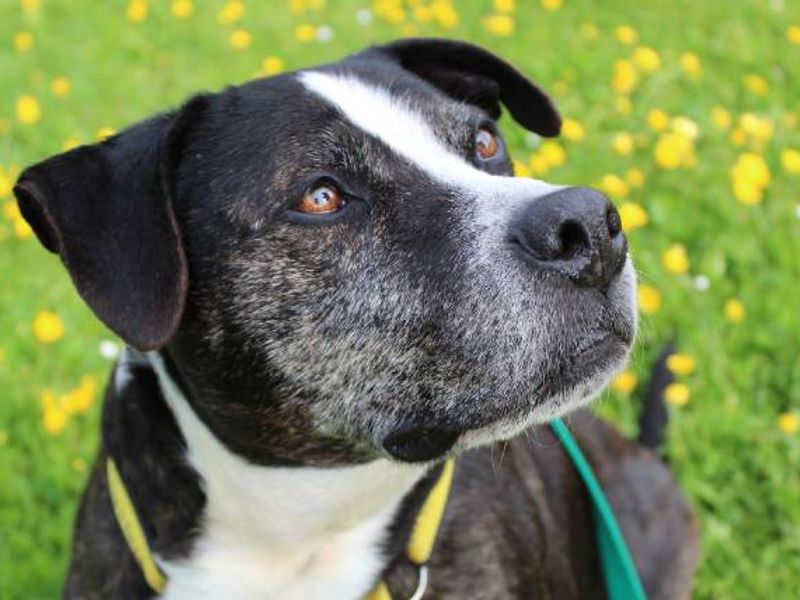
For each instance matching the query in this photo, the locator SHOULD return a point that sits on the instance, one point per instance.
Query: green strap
(622, 580)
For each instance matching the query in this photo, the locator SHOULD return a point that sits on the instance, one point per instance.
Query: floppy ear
(474, 75)
(106, 209)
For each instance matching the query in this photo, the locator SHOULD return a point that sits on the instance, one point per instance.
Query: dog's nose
(576, 232)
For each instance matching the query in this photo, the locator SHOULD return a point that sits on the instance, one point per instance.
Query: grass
(738, 461)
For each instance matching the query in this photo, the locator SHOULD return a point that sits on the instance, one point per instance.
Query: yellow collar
(420, 545)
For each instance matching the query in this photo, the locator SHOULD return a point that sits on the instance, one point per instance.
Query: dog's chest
(272, 532)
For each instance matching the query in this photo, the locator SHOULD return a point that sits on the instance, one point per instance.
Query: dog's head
(339, 263)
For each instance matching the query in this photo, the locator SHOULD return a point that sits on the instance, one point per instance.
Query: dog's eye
(486, 144)
(320, 199)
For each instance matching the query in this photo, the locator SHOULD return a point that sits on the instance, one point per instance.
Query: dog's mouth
(564, 388)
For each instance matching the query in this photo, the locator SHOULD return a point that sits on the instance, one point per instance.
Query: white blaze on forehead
(393, 120)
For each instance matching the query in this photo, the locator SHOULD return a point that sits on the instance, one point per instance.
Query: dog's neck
(297, 522)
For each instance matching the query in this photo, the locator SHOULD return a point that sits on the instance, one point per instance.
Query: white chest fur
(288, 533)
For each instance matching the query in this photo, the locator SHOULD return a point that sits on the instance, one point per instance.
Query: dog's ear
(106, 209)
(472, 74)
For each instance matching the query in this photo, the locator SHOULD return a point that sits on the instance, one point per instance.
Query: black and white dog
(329, 281)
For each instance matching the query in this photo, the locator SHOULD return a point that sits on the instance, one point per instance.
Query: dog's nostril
(613, 222)
(573, 240)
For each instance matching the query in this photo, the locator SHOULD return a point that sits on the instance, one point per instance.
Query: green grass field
(686, 112)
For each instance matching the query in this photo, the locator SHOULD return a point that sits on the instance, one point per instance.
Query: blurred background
(686, 113)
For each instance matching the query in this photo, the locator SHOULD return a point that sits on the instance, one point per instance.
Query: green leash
(622, 580)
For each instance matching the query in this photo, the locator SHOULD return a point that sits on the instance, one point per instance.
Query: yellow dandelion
(790, 160)
(685, 127)
(691, 65)
(499, 25)
(572, 130)
(5, 189)
(734, 310)
(48, 327)
(677, 394)
(657, 120)
(756, 84)
(538, 164)
(675, 259)
(721, 117)
(635, 178)
(625, 78)
(272, 65)
(554, 153)
(60, 87)
(444, 14)
(649, 299)
(738, 137)
(423, 14)
(23, 41)
(521, 169)
(747, 192)
(623, 105)
(30, 5)
(622, 143)
(552, 5)
(230, 13)
(758, 127)
(633, 216)
(239, 39)
(28, 109)
(505, 6)
(54, 420)
(625, 382)
(680, 363)
(589, 31)
(10, 208)
(793, 34)
(646, 59)
(182, 9)
(614, 186)
(70, 143)
(673, 150)
(137, 11)
(104, 132)
(304, 32)
(626, 34)
(80, 399)
(22, 230)
(788, 423)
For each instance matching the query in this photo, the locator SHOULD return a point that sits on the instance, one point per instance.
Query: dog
(328, 281)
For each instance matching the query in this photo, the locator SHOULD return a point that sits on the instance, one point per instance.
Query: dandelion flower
(690, 63)
(681, 364)
(552, 5)
(70, 143)
(633, 216)
(622, 144)
(790, 160)
(625, 382)
(675, 259)
(625, 78)
(239, 39)
(444, 14)
(538, 163)
(646, 59)
(505, 6)
(80, 399)
(22, 230)
(626, 34)
(60, 87)
(677, 394)
(23, 41)
(182, 9)
(657, 120)
(649, 299)
(721, 117)
(54, 420)
(614, 186)
(554, 153)
(104, 132)
(756, 84)
(48, 327)
(137, 11)
(734, 310)
(272, 65)
(793, 34)
(572, 130)
(521, 169)
(28, 109)
(635, 178)
(499, 25)
(305, 33)
(230, 13)
(788, 423)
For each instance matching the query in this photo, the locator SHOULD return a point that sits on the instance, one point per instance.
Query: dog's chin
(553, 397)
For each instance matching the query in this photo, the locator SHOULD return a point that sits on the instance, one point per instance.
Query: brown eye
(485, 144)
(320, 199)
